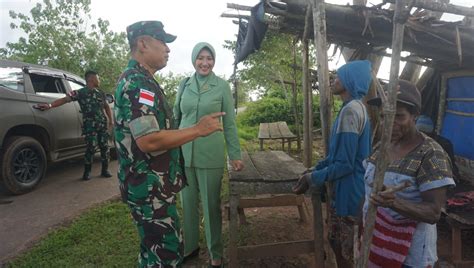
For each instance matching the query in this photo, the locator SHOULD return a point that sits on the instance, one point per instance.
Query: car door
(64, 122)
(14, 109)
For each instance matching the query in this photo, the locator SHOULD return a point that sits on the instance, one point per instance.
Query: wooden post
(389, 108)
(295, 99)
(234, 80)
(233, 230)
(319, 26)
(307, 96)
(318, 227)
(319, 22)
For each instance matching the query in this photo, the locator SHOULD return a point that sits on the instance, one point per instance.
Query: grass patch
(102, 237)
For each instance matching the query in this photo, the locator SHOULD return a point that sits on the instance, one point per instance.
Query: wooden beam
(411, 71)
(307, 96)
(273, 201)
(320, 42)
(239, 7)
(440, 7)
(389, 115)
(293, 248)
(227, 15)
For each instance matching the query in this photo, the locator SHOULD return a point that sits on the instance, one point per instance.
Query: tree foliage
(170, 82)
(61, 34)
(264, 71)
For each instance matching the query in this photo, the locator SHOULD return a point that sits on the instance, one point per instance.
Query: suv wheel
(24, 164)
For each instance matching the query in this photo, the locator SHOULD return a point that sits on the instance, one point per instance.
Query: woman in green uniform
(201, 94)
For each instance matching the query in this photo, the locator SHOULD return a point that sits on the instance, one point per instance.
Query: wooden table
(267, 172)
(459, 221)
(278, 131)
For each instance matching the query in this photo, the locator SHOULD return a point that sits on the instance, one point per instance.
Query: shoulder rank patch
(146, 97)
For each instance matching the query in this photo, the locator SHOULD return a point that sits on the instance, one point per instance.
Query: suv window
(44, 85)
(75, 85)
(12, 78)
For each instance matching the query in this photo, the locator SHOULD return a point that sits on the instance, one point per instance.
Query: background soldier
(95, 127)
(150, 173)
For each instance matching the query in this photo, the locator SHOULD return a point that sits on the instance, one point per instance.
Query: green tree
(60, 34)
(170, 82)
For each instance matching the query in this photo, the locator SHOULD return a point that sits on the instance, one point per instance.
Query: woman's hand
(237, 165)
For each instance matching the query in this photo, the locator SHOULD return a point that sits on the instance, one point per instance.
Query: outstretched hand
(302, 185)
(209, 124)
(42, 106)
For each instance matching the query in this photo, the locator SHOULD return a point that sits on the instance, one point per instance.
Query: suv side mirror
(109, 98)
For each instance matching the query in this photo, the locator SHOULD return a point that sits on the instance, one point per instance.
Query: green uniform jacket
(215, 96)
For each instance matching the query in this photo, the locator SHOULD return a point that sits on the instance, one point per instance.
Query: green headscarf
(196, 50)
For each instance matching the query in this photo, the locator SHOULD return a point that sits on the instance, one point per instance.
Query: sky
(192, 21)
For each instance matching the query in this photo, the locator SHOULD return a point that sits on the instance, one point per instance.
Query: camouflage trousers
(95, 138)
(161, 242)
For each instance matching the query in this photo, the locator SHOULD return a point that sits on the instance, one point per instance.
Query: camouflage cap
(151, 28)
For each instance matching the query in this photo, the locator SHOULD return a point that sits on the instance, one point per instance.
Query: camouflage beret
(150, 28)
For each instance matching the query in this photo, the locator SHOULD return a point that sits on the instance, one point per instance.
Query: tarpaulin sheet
(457, 127)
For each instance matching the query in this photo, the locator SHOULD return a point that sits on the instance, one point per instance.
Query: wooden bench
(276, 131)
(271, 174)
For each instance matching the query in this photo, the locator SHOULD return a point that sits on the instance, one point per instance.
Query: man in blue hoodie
(349, 145)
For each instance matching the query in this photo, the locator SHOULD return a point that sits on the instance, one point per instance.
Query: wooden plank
(274, 131)
(285, 130)
(263, 131)
(272, 201)
(248, 173)
(307, 95)
(257, 188)
(318, 226)
(456, 244)
(293, 248)
(233, 232)
(277, 166)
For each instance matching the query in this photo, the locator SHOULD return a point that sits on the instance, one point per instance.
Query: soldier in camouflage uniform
(95, 127)
(150, 172)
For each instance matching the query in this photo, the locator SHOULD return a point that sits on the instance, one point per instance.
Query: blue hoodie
(349, 143)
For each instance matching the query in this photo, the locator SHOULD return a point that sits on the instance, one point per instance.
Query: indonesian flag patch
(146, 97)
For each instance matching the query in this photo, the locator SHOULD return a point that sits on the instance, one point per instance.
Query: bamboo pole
(307, 96)
(440, 7)
(319, 27)
(389, 108)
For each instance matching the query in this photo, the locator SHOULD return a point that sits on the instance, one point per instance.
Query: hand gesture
(42, 106)
(384, 198)
(209, 124)
(237, 165)
(302, 185)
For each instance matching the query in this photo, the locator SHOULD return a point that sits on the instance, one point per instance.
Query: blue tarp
(458, 128)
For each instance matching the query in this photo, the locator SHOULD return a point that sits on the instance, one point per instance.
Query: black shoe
(86, 176)
(215, 266)
(105, 174)
(191, 255)
(105, 170)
